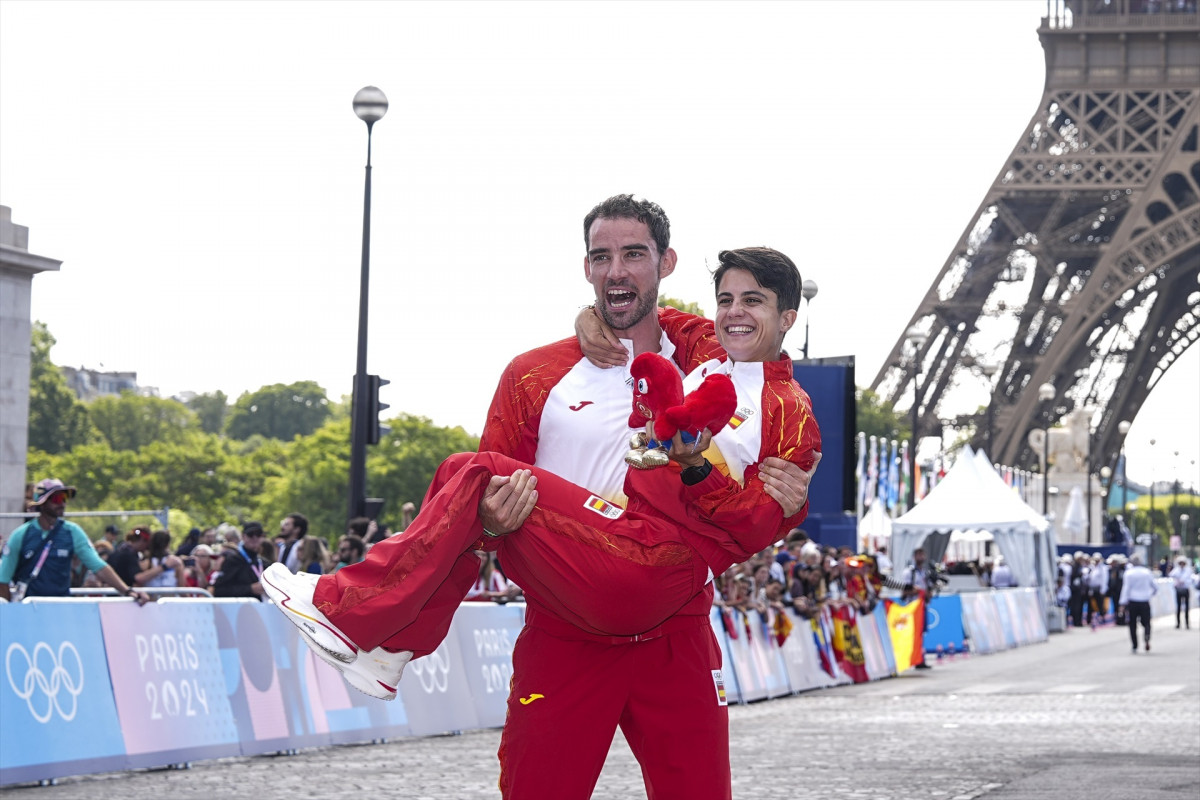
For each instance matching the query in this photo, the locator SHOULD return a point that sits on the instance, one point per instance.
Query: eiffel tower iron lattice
(1081, 267)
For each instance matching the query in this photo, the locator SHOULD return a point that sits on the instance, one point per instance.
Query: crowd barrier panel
(105, 685)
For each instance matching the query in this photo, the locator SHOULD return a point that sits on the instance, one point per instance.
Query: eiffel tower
(1081, 267)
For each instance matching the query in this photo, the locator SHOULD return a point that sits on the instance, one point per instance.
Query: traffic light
(374, 407)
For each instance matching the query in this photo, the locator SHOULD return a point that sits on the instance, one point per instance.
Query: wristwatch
(693, 475)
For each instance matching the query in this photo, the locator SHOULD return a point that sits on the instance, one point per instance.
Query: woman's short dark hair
(771, 268)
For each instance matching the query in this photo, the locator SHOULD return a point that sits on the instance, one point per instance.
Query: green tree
(691, 308)
(402, 466)
(279, 411)
(58, 421)
(876, 417)
(211, 408)
(131, 422)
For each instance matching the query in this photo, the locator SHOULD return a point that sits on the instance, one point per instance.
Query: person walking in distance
(1136, 590)
(1181, 577)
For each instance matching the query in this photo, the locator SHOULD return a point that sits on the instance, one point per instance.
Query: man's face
(252, 541)
(209, 537)
(287, 529)
(346, 552)
(624, 267)
(54, 505)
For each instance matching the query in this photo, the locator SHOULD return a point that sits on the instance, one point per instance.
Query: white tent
(973, 497)
(874, 529)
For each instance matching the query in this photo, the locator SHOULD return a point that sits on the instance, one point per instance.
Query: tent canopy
(973, 497)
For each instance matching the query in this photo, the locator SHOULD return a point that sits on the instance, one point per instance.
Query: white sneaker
(292, 594)
(376, 672)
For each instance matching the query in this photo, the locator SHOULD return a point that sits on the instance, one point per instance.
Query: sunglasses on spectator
(59, 497)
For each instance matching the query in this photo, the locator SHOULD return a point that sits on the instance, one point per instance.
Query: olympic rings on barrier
(37, 682)
(433, 671)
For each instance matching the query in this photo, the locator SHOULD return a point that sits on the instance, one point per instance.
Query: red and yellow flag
(906, 626)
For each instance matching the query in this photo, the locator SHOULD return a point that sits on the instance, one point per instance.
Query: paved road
(1076, 718)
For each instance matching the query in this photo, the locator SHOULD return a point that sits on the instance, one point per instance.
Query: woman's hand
(689, 455)
(598, 342)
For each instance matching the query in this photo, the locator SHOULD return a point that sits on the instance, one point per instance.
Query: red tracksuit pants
(595, 581)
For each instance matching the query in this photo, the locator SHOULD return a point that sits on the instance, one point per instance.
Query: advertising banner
(486, 635)
(943, 625)
(435, 691)
(56, 700)
(168, 682)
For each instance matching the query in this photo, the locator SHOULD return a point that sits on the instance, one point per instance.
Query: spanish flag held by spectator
(906, 626)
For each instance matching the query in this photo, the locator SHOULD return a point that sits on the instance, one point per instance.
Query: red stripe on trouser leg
(660, 692)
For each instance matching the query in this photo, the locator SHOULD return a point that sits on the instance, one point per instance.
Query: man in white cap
(1136, 592)
(37, 556)
(1181, 576)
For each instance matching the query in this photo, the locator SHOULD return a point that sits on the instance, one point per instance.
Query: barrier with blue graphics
(104, 685)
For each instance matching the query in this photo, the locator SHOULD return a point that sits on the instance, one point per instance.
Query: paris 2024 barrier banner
(102, 685)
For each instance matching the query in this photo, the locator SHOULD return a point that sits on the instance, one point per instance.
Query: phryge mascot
(661, 408)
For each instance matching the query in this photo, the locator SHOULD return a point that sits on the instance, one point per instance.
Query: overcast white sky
(198, 169)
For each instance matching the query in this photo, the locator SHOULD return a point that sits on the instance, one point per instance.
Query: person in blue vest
(36, 560)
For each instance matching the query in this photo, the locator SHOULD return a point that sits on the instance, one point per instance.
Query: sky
(198, 169)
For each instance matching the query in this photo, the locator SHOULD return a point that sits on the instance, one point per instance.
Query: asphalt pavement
(1076, 718)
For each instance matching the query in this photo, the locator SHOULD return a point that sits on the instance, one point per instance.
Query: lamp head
(1046, 392)
(808, 289)
(917, 337)
(370, 104)
(1123, 426)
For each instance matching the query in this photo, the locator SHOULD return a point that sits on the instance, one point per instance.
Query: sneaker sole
(369, 686)
(361, 683)
(343, 651)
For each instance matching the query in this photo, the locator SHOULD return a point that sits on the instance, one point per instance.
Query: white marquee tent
(974, 498)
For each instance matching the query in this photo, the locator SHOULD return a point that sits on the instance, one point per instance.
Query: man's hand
(598, 342)
(786, 483)
(507, 501)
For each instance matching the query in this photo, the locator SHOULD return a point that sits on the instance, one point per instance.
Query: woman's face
(749, 324)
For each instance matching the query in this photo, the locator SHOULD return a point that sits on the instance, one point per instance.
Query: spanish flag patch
(739, 417)
(603, 507)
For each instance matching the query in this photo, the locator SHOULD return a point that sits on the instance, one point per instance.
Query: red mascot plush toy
(660, 406)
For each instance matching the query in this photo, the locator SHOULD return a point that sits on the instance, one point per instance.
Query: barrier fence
(102, 685)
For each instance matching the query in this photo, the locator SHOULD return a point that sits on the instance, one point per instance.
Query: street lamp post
(1183, 531)
(917, 339)
(1105, 493)
(1152, 443)
(990, 370)
(1123, 428)
(808, 290)
(370, 105)
(1046, 393)
(1091, 441)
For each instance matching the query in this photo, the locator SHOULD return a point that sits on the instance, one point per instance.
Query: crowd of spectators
(227, 561)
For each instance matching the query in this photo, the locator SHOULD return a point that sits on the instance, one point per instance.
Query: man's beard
(630, 317)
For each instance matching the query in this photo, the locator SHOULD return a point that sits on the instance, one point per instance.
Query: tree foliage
(131, 422)
(876, 417)
(58, 421)
(691, 308)
(211, 409)
(279, 411)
